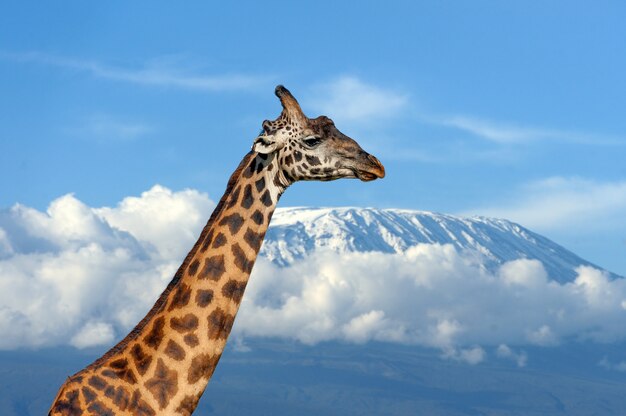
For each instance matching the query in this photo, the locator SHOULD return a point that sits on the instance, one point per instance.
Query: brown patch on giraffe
(97, 382)
(288, 160)
(260, 184)
(188, 404)
(88, 394)
(156, 334)
(241, 261)
(234, 197)
(250, 169)
(141, 359)
(313, 160)
(234, 222)
(257, 217)
(253, 239)
(202, 366)
(181, 297)
(234, 290)
(193, 267)
(191, 340)
(213, 268)
(247, 200)
(220, 324)
(121, 398)
(139, 407)
(100, 409)
(266, 198)
(69, 406)
(297, 155)
(123, 370)
(163, 385)
(187, 323)
(207, 240)
(204, 297)
(174, 351)
(220, 240)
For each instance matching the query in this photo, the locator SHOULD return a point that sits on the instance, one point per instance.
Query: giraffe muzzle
(370, 169)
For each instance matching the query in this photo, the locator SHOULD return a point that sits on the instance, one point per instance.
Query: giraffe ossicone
(164, 364)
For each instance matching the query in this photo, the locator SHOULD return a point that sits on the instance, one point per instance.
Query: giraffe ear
(265, 144)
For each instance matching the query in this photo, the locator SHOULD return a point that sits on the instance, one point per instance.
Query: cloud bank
(84, 276)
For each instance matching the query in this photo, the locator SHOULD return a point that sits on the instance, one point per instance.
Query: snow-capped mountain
(296, 232)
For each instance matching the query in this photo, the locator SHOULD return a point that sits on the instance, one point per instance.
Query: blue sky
(511, 109)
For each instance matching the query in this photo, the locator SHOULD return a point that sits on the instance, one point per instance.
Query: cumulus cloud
(88, 275)
(558, 202)
(350, 99)
(430, 295)
(84, 276)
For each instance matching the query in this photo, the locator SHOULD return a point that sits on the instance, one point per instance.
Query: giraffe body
(164, 364)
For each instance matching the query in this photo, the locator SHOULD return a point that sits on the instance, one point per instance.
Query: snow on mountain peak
(295, 232)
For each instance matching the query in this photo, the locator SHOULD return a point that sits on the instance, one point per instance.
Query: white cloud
(77, 273)
(432, 296)
(164, 72)
(520, 358)
(85, 276)
(93, 334)
(509, 133)
(558, 202)
(350, 99)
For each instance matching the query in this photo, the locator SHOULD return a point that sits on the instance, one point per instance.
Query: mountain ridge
(296, 232)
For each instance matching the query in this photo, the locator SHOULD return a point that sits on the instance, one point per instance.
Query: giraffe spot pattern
(97, 382)
(234, 197)
(234, 222)
(204, 297)
(188, 404)
(220, 324)
(187, 323)
(253, 239)
(260, 184)
(193, 267)
(174, 351)
(141, 359)
(163, 385)
(213, 268)
(191, 340)
(121, 398)
(100, 409)
(207, 241)
(220, 240)
(88, 394)
(202, 366)
(241, 261)
(266, 198)
(181, 297)
(139, 407)
(313, 160)
(257, 217)
(234, 290)
(247, 200)
(123, 371)
(70, 406)
(156, 334)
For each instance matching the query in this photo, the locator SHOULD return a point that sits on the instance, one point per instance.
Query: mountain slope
(296, 232)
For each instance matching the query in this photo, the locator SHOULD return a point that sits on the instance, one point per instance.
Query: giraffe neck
(165, 363)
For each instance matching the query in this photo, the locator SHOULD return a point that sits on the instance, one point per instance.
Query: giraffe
(164, 364)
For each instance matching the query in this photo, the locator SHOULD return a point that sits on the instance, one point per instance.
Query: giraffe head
(313, 149)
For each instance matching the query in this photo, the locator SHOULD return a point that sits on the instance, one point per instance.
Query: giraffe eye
(312, 141)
